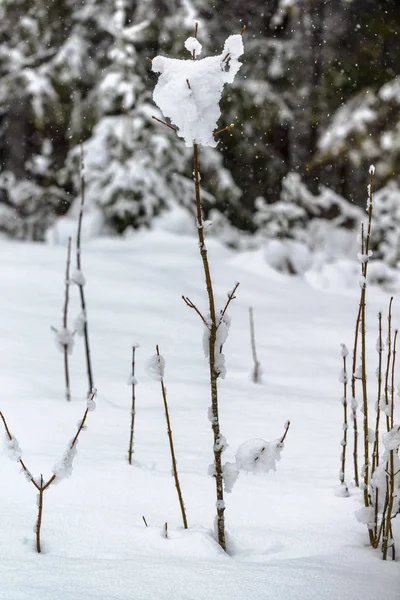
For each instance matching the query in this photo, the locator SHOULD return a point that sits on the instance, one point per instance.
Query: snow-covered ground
(290, 537)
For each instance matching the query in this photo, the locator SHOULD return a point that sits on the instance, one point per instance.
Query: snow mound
(188, 91)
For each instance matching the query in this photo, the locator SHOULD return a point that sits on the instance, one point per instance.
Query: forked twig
(190, 304)
(42, 487)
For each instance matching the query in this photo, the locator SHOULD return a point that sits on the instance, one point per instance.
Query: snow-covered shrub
(385, 240)
(302, 225)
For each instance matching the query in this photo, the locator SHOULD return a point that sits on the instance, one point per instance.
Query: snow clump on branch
(188, 91)
(155, 367)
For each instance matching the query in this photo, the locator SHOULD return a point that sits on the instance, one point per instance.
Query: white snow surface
(289, 536)
(188, 91)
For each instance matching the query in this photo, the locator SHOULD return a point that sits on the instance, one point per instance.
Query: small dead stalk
(133, 408)
(171, 447)
(65, 322)
(80, 280)
(256, 374)
(344, 379)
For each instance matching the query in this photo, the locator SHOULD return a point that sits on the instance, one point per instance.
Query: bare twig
(231, 296)
(42, 487)
(172, 450)
(130, 449)
(218, 447)
(196, 27)
(80, 284)
(224, 129)
(144, 521)
(190, 304)
(164, 123)
(364, 269)
(256, 369)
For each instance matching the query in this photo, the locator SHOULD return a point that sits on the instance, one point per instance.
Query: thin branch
(231, 296)
(133, 409)
(188, 84)
(224, 129)
(164, 123)
(65, 321)
(81, 288)
(190, 304)
(285, 432)
(196, 27)
(256, 370)
(172, 450)
(21, 462)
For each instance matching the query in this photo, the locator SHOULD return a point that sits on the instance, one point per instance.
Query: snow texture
(63, 468)
(78, 278)
(193, 45)
(12, 448)
(64, 338)
(258, 456)
(230, 473)
(188, 92)
(366, 515)
(79, 323)
(155, 367)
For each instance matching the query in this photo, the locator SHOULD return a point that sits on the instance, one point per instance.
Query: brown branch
(196, 27)
(231, 296)
(388, 359)
(172, 450)
(188, 84)
(40, 514)
(164, 123)
(224, 129)
(65, 321)
(285, 432)
(190, 304)
(130, 449)
(217, 448)
(364, 269)
(81, 289)
(342, 477)
(21, 462)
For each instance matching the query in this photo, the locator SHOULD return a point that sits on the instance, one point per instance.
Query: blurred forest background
(316, 102)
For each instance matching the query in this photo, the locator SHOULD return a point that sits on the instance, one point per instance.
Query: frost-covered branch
(190, 304)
